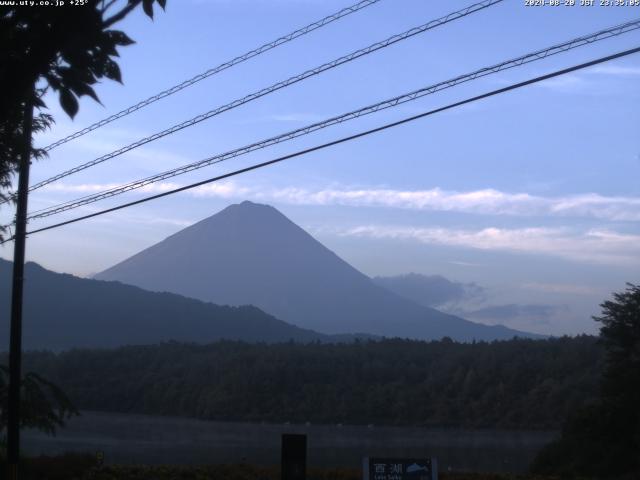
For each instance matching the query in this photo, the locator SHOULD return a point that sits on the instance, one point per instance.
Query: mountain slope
(62, 311)
(252, 254)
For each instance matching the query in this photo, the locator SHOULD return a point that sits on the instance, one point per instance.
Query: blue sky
(533, 195)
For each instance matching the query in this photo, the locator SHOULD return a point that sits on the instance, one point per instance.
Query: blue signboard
(399, 469)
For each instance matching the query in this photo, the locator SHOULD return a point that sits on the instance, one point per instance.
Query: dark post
(15, 345)
(294, 457)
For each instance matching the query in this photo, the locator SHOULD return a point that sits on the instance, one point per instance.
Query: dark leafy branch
(44, 405)
(67, 50)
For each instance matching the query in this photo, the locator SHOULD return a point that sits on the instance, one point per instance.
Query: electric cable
(275, 87)
(392, 102)
(212, 71)
(345, 139)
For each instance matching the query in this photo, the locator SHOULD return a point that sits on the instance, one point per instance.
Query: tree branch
(107, 6)
(122, 13)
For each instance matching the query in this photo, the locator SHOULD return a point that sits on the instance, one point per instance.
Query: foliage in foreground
(64, 49)
(603, 438)
(243, 472)
(508, 384)
(82, 467)
(44, 406)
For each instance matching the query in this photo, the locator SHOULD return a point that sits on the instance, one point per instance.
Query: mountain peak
(250, 253)
(246, 221)
(247, 207)
(248, 204)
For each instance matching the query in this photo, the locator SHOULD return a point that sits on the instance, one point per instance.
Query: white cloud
(592, 246)
(79, 188)
(483, 202)
(466, 264)
(486, 201)
(571, 83)
(223, 190)
(616, 70)
(564, 83)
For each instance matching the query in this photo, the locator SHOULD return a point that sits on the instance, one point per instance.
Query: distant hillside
(509, 384)
(62, 311)
(252, 254)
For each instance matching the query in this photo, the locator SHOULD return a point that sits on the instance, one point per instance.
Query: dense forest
(508, 384)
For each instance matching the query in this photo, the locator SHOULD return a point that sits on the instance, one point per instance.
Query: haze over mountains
(431, 290)
(251, 254)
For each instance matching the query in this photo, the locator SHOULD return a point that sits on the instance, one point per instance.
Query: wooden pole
(15, 345)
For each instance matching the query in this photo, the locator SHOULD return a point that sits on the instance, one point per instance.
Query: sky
(532, 196)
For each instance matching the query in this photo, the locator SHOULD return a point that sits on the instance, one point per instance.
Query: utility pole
(15, 345)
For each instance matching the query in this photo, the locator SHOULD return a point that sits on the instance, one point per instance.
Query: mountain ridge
(62, 311)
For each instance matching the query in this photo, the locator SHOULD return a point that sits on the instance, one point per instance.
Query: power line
(223, 66)
(389, 103)
(346, 139)
(277, 86)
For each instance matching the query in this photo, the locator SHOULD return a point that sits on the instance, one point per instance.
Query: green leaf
(78, 81)
(108, 46)
(84, 89)
(112, 71)
(147, 6)
(119, 38)
(52, 80)
(68, 102)
(37, 102)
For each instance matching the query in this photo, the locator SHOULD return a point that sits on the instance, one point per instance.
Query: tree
(67, 49)
(44, 405)
(620, 334)
(603, 439)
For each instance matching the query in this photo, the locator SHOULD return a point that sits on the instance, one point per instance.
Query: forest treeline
(506, 384)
